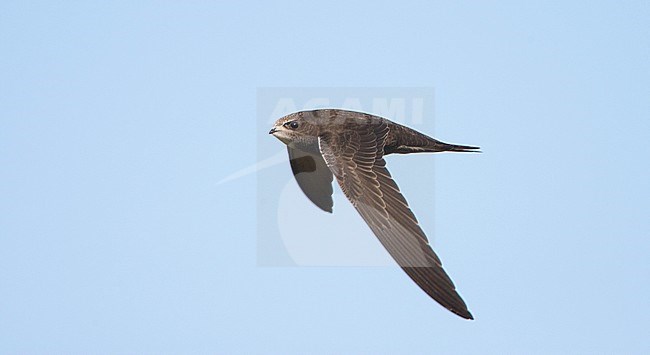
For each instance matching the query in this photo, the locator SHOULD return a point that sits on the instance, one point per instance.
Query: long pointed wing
(313, 177)
(356, 160)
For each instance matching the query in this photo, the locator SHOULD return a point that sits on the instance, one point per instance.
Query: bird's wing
(313, 177)
(355, 157)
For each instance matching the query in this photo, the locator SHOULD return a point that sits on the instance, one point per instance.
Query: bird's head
(287, 129)
(296, 129)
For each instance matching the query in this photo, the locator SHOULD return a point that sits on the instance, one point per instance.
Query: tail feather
(444, 147)
(432, 146)
(404, 140)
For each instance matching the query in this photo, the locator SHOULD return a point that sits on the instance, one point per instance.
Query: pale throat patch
(282, 137)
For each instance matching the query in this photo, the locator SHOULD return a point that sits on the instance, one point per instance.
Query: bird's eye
(293, 124)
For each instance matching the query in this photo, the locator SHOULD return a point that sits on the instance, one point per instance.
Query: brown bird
(351, 147)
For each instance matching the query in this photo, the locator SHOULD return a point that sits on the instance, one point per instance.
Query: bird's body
(350, 146)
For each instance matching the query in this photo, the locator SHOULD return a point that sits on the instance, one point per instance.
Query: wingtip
(326, 208)
(466, 314)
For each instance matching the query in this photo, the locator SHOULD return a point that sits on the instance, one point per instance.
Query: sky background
(119, 119)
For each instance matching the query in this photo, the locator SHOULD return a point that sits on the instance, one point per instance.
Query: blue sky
(119, 119)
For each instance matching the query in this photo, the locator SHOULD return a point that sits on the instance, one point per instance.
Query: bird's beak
(273, 130)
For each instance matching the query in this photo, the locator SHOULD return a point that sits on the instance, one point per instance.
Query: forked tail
(445, 147)
(430, 146)
(404, 140)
